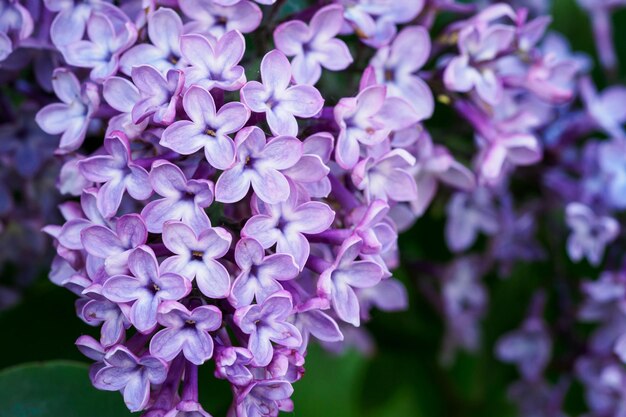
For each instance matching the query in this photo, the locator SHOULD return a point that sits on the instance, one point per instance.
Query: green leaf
(55, 389)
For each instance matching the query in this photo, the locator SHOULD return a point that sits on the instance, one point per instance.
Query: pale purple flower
(258, 164)
(285, 225)
(100, 311)
(210, 18)
(311, 171)
(397, 71)
(280, 103)
(73, 115)
(103, 49)
(314, 46)
(182, 199)
(387, 178)
(117, 174)
(311, 320)
(259, 275)
(196, 254)
(263, 398)
(122, 95)
(606, 108)
(163, 52)
(435, 164)
(590, 233)
(469, 214)
(208, 128)
(368, 119)
(115, 246)
(472, 70)
(231, 363)
(267, 323)
(338, 282)
(78, 218)
(185, 331)
(528, 347)
(146, 289)
(16, 24)
(612, 160)
(130, 374)
(233, 2)
(158, 95)
(213, 64)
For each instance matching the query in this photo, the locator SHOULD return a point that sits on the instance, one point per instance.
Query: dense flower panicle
(232, 201)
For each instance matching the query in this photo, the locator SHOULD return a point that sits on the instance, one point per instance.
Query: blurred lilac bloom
(436, 164)
(267, 323)
(211, 19)
(259, 274)
(398, 73)
(314, 46)
(73, 115)
(182, 199)
(130, 374)
(612, 160)
(607, 108)
(196, 254)
(185, 331)
(280, 103)
(311, 320)
(368, 119)
(339, 280)
(122, 95)
(469, 214)
(208, 128)
(263, 398)
(213, 64)
(146, 289)
(158, 95)
(528, 347)
(258, 164)
(16, 24)
(590, 233)
(285, 224)
(103, 49)
(471, 69)
(117, 173)
(465, 302)
(231, 363)
(388, 177)
(311, 171)
(163, 52)
(375, 21)
(115, 246)
(388, 295)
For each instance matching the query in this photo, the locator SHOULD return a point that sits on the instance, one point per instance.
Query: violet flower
(258, 164)
(158, 94)
(182, 199)
(590, 233)
(73, 115)
(208, 128)
(145, 289)
(314, 46)
(117, 174)
(196, 254)
(266, 323)
(185, 331)
(280, 103)
(207, 17)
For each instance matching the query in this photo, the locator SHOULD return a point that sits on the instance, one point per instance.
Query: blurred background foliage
(44, 375)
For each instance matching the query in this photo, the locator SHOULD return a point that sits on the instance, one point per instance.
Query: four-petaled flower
(590, 233)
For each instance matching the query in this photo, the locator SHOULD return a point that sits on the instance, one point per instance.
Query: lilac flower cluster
(228, 199)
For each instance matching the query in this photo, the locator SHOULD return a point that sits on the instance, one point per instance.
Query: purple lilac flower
(280, 103)
(185, 331)
(72, 116)
(182, 199)
(314, 46)
(146, 289)
(258, 164)
(266, 323)
(208, 128)
(195, 256)
(158, 94)
(469, 214)
(117, 174)
(212, 19)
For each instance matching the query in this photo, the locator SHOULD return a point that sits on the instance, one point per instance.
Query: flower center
(209, 131)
